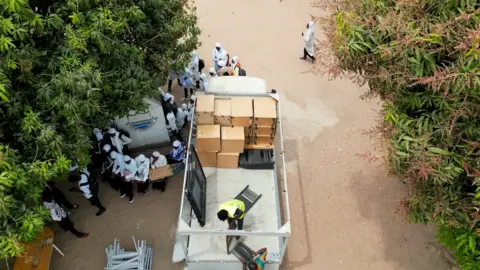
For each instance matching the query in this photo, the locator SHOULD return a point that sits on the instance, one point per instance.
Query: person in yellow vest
(232, 210)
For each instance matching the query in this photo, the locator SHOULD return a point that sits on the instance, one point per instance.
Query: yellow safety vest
(232, 206)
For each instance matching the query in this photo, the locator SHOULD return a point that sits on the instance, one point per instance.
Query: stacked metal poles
(119, 259)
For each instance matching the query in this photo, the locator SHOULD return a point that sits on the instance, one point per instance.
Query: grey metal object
(248, 197)
(119, 259)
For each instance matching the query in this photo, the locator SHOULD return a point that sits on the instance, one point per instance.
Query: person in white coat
(180, 119)
(212, 73)
(172, 125)
(117, 171)
(156, 161)
(195, 66)
(236, 66)
(143, 168)
(309, 40)
(203, 82)
(167, 97)
(187, 112)
(187, 82)
(119, 141)
(218, 54)
(130, 170)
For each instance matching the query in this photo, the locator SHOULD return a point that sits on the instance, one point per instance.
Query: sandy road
(342, 207)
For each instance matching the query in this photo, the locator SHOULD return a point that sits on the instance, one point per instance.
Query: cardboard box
(263, 140)
(264, 131)
(223, 112)
(265, 111)
(227, 160)
(205, 109)
(208, 138)
(160, 173)
(207, 159)
(233, 139)
(242, 112)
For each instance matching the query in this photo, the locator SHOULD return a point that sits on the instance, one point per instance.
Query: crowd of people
(112, 160)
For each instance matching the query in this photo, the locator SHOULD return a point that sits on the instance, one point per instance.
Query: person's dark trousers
(160, 184)
(186, 92)
(142, 187)
(113, 180)
(127, 189)
(67, 225)
(172, 161)
(305, 54)
(170, 84)
(198, 84)
(95, 201)
(60, 198)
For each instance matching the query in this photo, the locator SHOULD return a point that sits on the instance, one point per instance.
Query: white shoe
(121, 196)
(132, 200)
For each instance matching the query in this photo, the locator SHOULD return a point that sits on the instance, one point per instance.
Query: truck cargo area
(223, 185)
(233, 153)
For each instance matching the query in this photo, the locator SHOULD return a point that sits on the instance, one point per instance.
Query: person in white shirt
(181, 117)
(107, 165)
(85, 187)
(143, 168)
(130, 170)
(203, 82)
(187, 82)
(218, 54)
(156, 161)
(195, 67)
(309, 40)
(172, 125)
(212, 73)
(58, 215)
(119, 141)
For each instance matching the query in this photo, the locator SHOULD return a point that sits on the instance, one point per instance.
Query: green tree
(422, 58)
(67, 66)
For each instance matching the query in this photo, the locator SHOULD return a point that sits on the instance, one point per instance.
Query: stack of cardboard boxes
(264, 123)
(221, 126)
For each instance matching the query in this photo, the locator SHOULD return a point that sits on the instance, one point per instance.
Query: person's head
(141, 158)
(235, 60)
(107, 148)
(113, 155)
(192, 99)
(309, 25)
(193, 54)
(222, 215)
(221, 63)
(112, 132)
(47, 196)
(218, 46)
(203, 77)
(50, 184)
(184, 107)
(252, 266)
(98, 134)
(155, 154)
(127, 159)
(176, 144)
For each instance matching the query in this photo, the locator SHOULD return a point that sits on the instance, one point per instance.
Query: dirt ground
(342, 207)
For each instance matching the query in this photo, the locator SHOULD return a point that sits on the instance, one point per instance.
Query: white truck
(202, 241)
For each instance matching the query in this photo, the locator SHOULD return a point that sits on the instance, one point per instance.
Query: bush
(67, 66)
(422, 58)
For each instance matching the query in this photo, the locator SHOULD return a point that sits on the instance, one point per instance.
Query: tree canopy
(422, 58)
(65, 68)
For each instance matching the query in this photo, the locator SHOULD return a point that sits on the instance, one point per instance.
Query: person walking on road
(58, 214)
(84, 184)
(309, 40)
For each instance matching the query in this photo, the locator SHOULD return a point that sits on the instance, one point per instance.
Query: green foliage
(464, 244)
(422, 58)
(65, 68)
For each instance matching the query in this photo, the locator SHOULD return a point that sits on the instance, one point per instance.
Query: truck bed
(223, 185)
